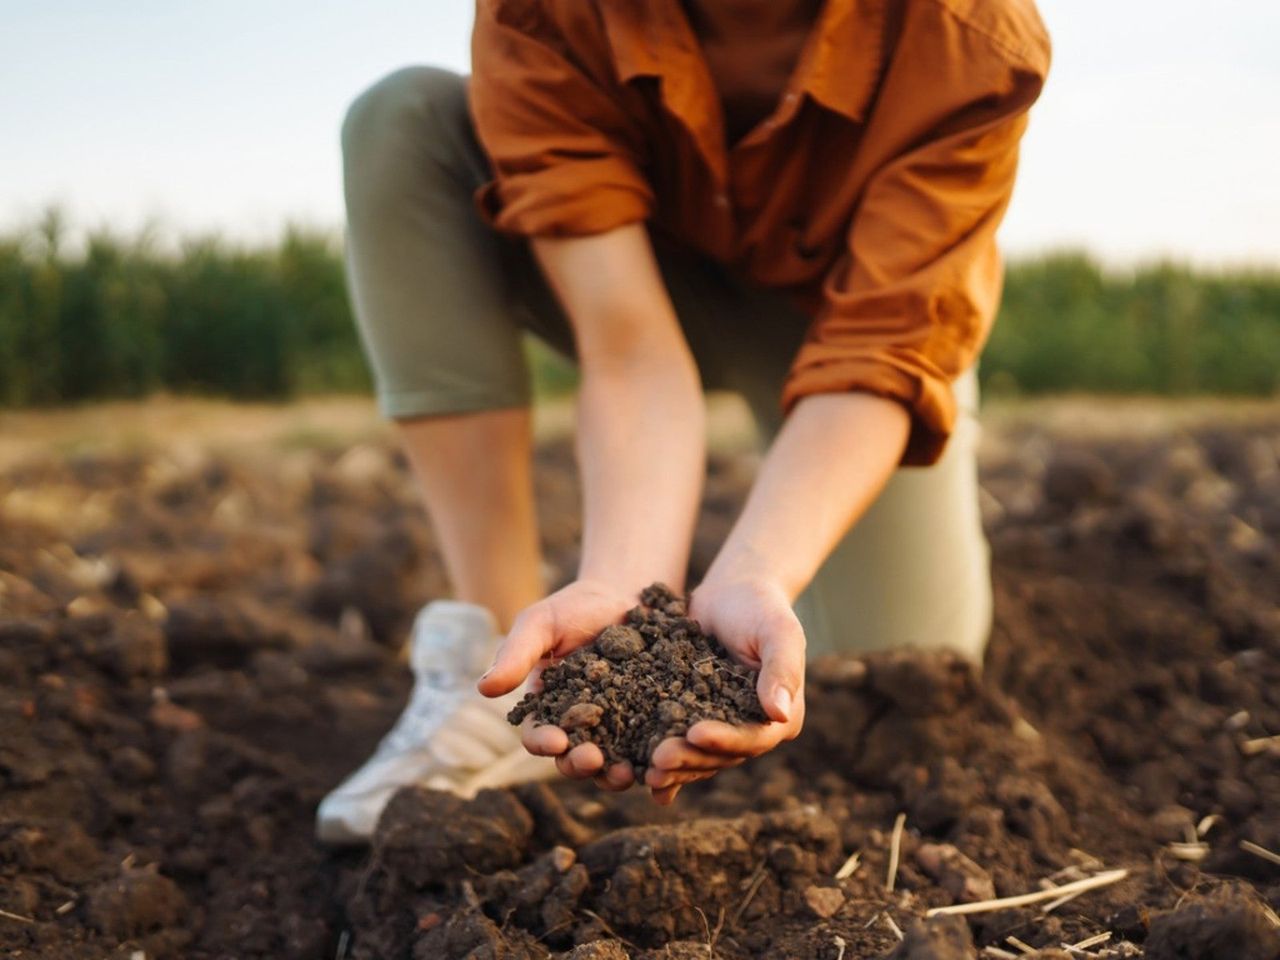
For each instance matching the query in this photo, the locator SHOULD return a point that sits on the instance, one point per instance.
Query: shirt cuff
(570, 199)
(900, 375)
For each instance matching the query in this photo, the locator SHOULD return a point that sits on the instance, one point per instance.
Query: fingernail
(782, 698)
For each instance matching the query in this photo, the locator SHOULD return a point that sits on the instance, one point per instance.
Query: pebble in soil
(651, 677)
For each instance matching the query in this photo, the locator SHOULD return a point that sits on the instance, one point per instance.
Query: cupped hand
(548, 630)
(754, 621)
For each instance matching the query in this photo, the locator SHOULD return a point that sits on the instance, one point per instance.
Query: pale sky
(1159, 132)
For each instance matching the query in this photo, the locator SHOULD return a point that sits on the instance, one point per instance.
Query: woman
(793, 199)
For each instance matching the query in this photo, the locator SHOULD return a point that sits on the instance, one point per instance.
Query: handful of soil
(651, 677)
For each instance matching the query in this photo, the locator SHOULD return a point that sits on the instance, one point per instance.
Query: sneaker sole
(518, 766)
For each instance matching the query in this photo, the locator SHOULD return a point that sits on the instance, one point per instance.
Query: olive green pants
(443, 301)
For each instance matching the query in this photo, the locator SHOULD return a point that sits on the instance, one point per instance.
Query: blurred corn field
(117, 316)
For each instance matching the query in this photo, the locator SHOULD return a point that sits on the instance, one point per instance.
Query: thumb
(782, 670)
(530, 639)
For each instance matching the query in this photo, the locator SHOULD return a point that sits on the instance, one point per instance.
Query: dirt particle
(562, 858)
(136, 902)
(136, 648)
(167, 715)
(620, 642)
(581, 716)
(672, 712)
(132, 765)
(788, 858)
(954, 872)
(596, 671)
(939, 938)
(823, 902)
(1173, 823)
(598, 950)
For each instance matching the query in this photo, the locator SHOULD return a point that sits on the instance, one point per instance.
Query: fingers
(582, 762)
(677, 762)
(586, 761)
(666, 796)
(531, 638)
(543, 740)
(751, 740)
(661, 779)
(782, 669)
(553, 626)
(616, 778)
(677, 753)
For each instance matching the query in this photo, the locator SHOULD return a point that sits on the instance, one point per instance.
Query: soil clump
(651, 677)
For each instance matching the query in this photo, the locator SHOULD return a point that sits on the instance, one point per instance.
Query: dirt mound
(989, 802)
(1229, 924)
(193, 648)
(651, 677)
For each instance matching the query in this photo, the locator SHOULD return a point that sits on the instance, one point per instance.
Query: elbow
(633, 344)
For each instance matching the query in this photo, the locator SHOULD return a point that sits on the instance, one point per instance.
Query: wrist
(743, 564)
(629, 580)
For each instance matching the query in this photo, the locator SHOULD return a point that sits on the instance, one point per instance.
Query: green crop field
(124, 316)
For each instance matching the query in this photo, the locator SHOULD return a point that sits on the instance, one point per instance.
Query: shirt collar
(838, 68)
(841, 63)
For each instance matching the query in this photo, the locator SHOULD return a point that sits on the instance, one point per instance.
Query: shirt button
(722, 201)
(790, 98)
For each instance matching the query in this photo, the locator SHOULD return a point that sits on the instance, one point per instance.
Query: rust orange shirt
(871, 194)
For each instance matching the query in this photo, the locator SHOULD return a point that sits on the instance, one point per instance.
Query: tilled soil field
(193, 648)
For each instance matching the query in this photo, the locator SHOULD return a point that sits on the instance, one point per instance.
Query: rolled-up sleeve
(908, 307)
(567, 157)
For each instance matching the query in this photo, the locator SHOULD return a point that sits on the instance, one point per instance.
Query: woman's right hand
(551, 629)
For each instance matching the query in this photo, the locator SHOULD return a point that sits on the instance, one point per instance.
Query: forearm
(641, 455)
(640, 410)
(831, 459)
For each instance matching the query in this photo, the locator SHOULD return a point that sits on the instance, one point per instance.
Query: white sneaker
(449, 737)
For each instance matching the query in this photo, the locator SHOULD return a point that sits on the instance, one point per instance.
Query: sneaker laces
(444, 710)
(428, 707)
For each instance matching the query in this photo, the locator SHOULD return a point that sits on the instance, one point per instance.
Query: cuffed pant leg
(429, 280)
(442, 301)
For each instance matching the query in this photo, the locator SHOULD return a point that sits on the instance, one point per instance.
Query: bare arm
(641, 453)
(640, 409)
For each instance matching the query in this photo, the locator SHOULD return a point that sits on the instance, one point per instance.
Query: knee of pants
(396, 128)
